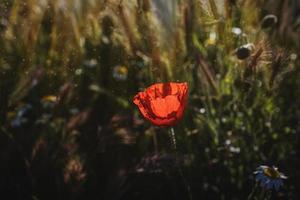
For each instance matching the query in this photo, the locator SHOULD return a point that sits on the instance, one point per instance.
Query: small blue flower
(120, 73)
(269, 177)
(20, 117)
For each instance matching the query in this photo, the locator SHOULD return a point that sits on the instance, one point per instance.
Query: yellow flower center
(272, 172)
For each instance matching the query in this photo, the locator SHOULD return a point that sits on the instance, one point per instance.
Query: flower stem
(173, 139)
(155, 143)
(185, 182)
(251, 195)
(268, 195)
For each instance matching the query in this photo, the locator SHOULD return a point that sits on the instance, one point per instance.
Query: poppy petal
(163, 104)
(163, 107)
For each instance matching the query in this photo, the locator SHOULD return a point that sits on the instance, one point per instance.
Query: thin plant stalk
(174, 145)
(251, 195)
(155, 143)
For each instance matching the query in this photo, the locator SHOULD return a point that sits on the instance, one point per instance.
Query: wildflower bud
(269, 21)
(244, 51)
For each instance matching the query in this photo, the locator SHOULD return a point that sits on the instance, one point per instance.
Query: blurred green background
(69, 70)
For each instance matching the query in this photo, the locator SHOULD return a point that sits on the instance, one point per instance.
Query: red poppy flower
(163, 103)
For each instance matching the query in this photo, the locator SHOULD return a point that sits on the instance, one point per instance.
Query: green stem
(185, 182)
(251, 195)
(263, 194)
(268, 195)
(173, 140)
(155, 143)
